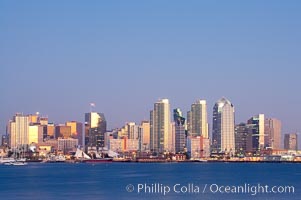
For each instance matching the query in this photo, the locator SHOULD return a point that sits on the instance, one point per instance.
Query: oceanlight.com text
(192, 188)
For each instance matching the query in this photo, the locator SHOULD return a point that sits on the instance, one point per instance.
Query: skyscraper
(197, 122)
(241, 134)
(160, 126)
(19, 130)
(256, 133)
(95, 129)
(291, 141)
(223, 138)
(272, 131)
(180, 138)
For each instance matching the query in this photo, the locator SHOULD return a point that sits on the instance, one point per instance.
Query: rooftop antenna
(91, 106)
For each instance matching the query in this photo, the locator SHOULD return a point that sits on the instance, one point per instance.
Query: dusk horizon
(58, 57)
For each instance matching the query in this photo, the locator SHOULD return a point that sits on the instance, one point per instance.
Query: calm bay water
(112, 180)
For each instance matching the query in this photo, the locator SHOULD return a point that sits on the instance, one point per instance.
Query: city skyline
(57, 57)
(163, 133)
(208, 114)
(268, 131)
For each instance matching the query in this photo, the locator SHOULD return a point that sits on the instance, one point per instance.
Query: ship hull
(102, 160)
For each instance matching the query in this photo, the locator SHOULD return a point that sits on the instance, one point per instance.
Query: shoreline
(167, 161)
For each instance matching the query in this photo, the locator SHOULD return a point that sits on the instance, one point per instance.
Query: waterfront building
(95, 129)
(53, 143)
(116, 145)
(255, 139)
(160, 127)
(179, 127)
(123, 145)
(19, 128)
(291, 141)
(197, 122)
(272, 131)
(198, 147)
(131, 144)
(67, 144)
(223, 137)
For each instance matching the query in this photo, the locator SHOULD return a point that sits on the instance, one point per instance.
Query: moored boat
(16, 163)
(83, 157)
(6, 160)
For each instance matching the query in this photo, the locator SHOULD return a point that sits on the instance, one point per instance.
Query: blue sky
(58, 56)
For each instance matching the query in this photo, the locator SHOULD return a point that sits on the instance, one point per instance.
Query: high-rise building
(291, 141)
(129, 130)
(42, 123)
(223, 137)
(50, 131)
(95, 129)
(272, 131)
(33, 134)
(160, 127)
(76, 130)
(145, 132)
(180, 138)
(197, 123)
(132, 130)
(255, 138)
(19, 128)
(241, 134)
